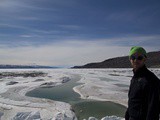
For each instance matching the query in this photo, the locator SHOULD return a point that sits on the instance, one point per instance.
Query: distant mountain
(123, 62)
(25, 67)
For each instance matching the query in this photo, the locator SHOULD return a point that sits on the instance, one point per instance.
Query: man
(143, 102)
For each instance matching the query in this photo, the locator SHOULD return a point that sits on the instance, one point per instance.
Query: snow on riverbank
(106, 84)
(14, 104)
(99, 84)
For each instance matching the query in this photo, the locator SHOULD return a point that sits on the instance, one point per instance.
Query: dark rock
(48, 84)
(11, 83)
(38, 80)
(61, 116)
(22, 74)
(65, 79)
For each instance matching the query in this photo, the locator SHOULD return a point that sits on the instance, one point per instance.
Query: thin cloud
(70, 52)
(71, 27)
(31, 18)
(55, 55)
(26, 36)
(6, 25)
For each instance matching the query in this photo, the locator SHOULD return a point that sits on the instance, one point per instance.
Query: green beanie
(137, 49)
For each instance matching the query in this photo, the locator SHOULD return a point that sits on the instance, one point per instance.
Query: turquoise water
(62, 92)
(82, 108)
(97, 109)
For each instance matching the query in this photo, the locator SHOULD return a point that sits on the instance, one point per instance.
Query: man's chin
(136, 67)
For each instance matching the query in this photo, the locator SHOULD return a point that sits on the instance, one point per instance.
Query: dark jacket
(143, 102)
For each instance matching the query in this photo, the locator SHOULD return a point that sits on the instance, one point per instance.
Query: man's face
(137, 60)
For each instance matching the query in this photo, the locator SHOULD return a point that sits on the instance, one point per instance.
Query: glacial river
(82, 108)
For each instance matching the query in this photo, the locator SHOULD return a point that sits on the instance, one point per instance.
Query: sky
(75, 32)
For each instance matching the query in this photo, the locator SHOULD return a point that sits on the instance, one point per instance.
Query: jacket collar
(140, 72)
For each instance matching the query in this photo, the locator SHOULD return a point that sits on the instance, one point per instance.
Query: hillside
(123, 62)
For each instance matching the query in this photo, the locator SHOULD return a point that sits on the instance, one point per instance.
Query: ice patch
(27, 116)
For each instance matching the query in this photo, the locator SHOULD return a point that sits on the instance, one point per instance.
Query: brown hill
(123, 62)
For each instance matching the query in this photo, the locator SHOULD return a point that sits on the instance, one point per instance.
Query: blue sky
(75, 32)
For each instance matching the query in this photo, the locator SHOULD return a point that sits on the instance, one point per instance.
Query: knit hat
(137, 49)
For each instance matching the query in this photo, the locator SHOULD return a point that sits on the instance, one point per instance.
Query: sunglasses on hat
(133, 57)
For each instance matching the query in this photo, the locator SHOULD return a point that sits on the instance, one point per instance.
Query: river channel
(83, 108)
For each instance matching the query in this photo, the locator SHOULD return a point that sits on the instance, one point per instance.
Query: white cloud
(71, 27)
(69, 52)
(26, 36)
(7, 3)
(12, 26)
